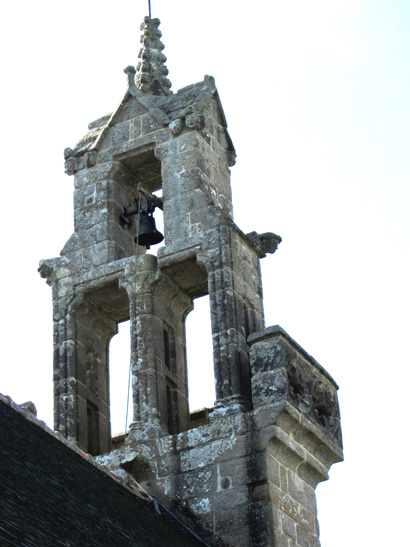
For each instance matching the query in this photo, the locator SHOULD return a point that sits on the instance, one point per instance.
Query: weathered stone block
(195, 437)
(188, 141)
(219, 450)
(150, 124)
(301, 492)
(233, 526)
(116, 134)
(197, 484)
(183, 205)
(178, 227)
(269, 387)
(203, 218)
(273, 469)
(288, 526)
(237, 472)
(180, 163)
(132, 109)
(305, 538)
(136, 128)
(292, 508)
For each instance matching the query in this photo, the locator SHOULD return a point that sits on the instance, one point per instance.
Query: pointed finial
(151, 77)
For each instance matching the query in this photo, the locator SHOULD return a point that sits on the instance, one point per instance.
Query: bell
(147, 232)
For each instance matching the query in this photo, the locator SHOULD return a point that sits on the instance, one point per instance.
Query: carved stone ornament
(267, 241)
(151, 70)
(176, 126)
(314, 398)
(73, 165)
(195, 121)
(68, 152)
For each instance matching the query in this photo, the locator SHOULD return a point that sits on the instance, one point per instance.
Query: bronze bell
(147, 231)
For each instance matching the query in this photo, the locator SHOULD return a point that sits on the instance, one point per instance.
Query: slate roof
(53, 494)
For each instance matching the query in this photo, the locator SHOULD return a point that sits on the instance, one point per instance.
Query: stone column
(158, 356)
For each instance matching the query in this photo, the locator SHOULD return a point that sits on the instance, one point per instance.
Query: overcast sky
(316, 95)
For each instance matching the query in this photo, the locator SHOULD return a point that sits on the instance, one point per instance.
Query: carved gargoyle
(267, 241)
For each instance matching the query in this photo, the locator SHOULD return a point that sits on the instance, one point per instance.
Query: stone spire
(151, 70)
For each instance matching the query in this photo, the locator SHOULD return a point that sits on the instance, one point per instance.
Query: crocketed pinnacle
(151, 70)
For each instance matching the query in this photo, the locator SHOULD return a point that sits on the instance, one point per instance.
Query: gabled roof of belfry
(149, 86)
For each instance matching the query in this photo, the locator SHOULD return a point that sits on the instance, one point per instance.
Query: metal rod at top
(149, 8)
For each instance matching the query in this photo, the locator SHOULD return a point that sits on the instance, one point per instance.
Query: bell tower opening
(201, 382)
(93, 319)
(120, 385)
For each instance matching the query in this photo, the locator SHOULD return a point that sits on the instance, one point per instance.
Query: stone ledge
(276, 331)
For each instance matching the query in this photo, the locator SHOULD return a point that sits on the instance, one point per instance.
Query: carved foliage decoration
(314, 396)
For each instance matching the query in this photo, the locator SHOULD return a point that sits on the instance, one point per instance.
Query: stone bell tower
(247, 473)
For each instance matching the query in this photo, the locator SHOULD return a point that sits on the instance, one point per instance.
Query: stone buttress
(247, 474)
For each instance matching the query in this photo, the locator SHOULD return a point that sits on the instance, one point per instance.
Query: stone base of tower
(249, 478)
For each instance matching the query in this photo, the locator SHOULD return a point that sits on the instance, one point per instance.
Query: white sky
(316, 95)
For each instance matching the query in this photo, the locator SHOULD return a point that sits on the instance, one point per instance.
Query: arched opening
(103, 372)
(201, 382)
(159, 223)
(119, 370)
